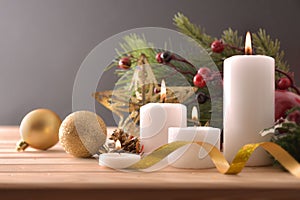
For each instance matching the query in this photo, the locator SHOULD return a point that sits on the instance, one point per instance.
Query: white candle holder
(118, 160)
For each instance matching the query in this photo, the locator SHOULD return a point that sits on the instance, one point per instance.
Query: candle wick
(248, 52)
(195, 120)
(163, 98)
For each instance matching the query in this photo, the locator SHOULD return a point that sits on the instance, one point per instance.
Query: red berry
(158, 57)
(124, 63)
(284, 83)
(199, 81)
(217, 46)
(156, 90)
(205, 72)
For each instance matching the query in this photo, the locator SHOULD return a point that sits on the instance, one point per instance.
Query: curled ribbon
(238, 163)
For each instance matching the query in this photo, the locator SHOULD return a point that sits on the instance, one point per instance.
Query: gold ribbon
(238, 163)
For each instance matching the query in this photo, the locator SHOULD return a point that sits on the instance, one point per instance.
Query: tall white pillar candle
(155, 119)
(248, 104)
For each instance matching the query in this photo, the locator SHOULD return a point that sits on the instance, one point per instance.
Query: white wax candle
(248, 104)
(193, 156)
(118, 160)
(155, 119)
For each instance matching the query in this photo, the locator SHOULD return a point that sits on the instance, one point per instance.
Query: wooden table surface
(53, 174)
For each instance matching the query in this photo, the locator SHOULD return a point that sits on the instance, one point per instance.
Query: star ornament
(126, 99)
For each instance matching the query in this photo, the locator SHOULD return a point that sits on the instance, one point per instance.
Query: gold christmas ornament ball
(82, 133)
(39, 129)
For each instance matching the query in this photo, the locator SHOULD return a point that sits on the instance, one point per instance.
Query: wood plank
(46, 161)
(7, 153)
(147, 194)
(53, 173)
(161, 180)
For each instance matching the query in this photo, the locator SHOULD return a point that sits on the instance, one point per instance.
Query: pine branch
(266, 46)
(262, 42)
(230, 38)
(196, 32)
(134, 45)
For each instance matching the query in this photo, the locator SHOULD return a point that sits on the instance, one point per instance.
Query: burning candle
(193, 156)
(156, 118)
(118, 145)
(248, 102)
(163, 92)
(118, 160)
(195, 116)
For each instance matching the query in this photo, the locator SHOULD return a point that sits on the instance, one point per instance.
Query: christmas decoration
(118, 160)
(283, 83)
(286, 82)
(202, 97)
(286, 94)
(182, 94)
(158, 57)
(165, 56)
(241, 113)
(39, 129)
(189, 157)
(129, 143)
(82, 133)
(284, 101)
(205, 72)
(138, 87)
(286, 132)
(217, 46)
(125, 63)
(229, 44)
(222, 165)
(199, 81)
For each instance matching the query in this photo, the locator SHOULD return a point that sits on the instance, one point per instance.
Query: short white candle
(155, 119)
(118, 160)
(248, 104)
(193, 156)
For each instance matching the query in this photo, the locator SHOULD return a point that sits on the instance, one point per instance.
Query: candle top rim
(250, 56)
(195, 128)
(119, 155)
(166, 104)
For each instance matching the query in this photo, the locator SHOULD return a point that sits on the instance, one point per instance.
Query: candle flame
(163, 91)
(194, 114)
(118, 145)
(248, 46)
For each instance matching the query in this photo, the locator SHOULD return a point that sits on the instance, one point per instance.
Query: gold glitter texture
(219, 160)
(82, 133)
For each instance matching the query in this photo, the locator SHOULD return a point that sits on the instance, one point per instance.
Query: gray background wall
(43, 42)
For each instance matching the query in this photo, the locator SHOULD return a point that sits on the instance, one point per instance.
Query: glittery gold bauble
(82, 133)
(39, 129)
